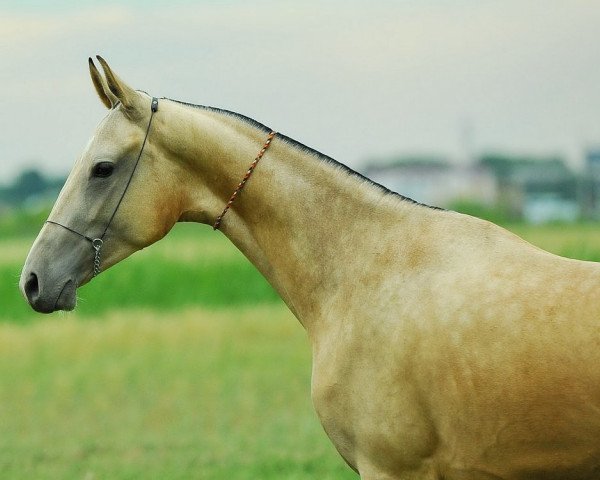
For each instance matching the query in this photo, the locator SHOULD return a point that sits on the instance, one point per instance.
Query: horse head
(119, 197)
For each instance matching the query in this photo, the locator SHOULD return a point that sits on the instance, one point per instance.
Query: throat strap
(240, 186)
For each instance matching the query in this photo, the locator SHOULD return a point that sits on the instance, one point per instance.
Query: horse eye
(103, 169)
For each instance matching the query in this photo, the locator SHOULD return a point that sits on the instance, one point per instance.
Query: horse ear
(107, 98)
(117, 87)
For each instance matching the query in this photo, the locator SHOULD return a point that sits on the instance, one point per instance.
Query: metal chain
(97, 244)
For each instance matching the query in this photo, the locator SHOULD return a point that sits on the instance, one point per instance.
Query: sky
(356, 80)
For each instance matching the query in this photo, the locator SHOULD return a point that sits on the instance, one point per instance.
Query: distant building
(537, 190)
(591, 184)
(547, 191)
(544, 208)
(437, 183)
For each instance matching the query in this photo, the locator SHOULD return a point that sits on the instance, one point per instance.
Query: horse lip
(67, 298)
(42, 307)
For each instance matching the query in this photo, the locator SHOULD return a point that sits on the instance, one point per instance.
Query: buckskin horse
(444, 347)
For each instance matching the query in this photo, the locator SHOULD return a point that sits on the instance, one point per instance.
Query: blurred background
(182, 362)
(487, 102)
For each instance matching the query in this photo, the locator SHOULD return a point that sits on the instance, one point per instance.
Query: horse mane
(300, 146)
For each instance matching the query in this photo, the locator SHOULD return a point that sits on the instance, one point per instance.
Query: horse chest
(369, 411)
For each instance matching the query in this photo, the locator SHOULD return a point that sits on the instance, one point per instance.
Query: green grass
(192, 266)
(197, 394)
(580, 241)
(179, 363)
(20, 223)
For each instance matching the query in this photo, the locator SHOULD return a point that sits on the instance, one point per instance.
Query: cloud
(27, 30)
(350, 78)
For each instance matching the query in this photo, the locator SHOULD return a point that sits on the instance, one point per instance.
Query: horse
(443, 346)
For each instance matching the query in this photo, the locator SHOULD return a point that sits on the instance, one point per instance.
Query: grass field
(197, 394)
(192, 266)
(199, 372)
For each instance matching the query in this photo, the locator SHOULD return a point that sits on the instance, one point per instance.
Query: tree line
(30, 187)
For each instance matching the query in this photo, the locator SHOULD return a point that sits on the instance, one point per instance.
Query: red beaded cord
(244, 180)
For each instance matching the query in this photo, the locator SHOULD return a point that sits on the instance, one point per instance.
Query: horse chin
(67, 299)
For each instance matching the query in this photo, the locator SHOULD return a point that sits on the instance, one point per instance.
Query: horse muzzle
(45, 295)
(57, 264)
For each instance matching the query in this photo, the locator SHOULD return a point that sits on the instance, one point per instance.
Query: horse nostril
(32, 288)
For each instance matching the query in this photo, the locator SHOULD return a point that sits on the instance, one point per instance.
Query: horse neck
(300, 219)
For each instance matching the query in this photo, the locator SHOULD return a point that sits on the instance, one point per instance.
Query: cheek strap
(99, 241)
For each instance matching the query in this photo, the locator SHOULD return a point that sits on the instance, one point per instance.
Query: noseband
(99, 241)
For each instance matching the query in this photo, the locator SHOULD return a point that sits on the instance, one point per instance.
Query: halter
(99, 241)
